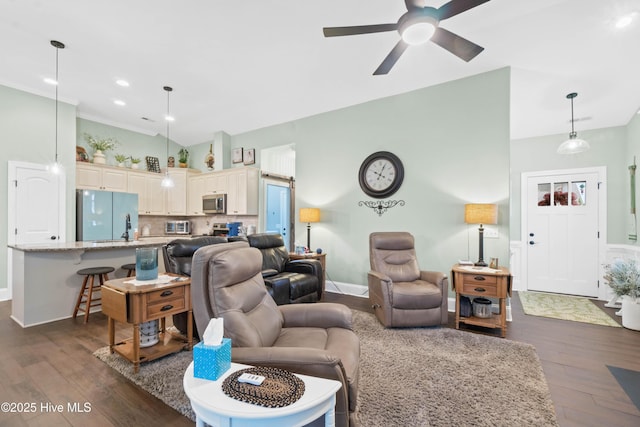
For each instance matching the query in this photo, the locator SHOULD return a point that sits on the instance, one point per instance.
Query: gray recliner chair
(401, 294)
(309, 339)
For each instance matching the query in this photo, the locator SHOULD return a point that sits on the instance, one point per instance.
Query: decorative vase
(99, 158)
(631, 313)
(134, 165)
(182, 165)
(209, 160)
(120, 165)
(171, 162)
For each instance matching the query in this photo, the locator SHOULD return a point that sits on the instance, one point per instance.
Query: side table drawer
(166, 308)
(162, 295)
(480, 289)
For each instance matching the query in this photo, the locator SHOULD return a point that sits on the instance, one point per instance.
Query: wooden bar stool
(86, 296)
(131, 269)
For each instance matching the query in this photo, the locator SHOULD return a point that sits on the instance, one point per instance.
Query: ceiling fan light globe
(418, 33)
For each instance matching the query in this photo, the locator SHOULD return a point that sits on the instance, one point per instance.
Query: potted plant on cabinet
(99, 146)
(623, 277)
(120, 158)
(135, 162)
(183, 157)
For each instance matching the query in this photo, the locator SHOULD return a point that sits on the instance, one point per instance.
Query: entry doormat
(564, 307)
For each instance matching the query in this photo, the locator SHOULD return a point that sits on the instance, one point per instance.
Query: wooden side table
(482, 282)
(136, 304)
(312, 255)
(213, 407)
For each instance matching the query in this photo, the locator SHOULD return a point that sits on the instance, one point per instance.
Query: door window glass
(544, 194)
(561, 193)
(579, 193)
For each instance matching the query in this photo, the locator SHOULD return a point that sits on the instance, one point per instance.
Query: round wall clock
(381, 174)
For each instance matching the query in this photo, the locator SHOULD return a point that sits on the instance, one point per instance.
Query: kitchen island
(45, 284)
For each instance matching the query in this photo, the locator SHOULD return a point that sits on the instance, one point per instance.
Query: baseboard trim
(5, 295)
(346, 289)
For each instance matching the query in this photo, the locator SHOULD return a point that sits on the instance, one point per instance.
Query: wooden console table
(482, 282)
(136, 304)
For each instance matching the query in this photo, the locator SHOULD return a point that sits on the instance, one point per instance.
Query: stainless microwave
(214, 203)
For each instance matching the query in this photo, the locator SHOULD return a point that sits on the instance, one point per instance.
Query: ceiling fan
(419, 25)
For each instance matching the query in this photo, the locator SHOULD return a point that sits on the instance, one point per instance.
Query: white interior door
(37, 211)
(562, 236)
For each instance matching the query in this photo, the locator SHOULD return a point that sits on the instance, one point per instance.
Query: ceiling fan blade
(391, 58)
(455, 7)
(359, 29)
(414, 4)
(459, 46)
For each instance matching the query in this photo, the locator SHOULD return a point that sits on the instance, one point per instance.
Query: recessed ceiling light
(626, 20)
(119, 102)
(122, 83)
(50, 81)
(169, 118)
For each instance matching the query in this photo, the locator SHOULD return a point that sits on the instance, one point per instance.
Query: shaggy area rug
(564, 307)
(409, 377)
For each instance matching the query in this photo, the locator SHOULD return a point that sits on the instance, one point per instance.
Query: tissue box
(211, 361)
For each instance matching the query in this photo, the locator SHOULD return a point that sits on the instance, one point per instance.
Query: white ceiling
(242, 65)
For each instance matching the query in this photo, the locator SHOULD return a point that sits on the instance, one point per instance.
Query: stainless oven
(214, 203)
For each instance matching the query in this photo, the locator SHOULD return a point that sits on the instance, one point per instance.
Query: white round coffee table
(217, 409)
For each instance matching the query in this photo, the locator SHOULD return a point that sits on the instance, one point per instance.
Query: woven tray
(280, 388)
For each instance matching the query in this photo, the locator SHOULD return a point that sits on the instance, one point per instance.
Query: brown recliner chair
(401, 294)
(309, 339)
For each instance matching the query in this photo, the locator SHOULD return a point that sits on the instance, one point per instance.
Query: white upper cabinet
(91, 177)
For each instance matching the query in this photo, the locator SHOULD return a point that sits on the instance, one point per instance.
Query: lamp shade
(309, 215)
(475, 213)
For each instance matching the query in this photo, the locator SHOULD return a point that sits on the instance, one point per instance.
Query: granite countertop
(90, 246)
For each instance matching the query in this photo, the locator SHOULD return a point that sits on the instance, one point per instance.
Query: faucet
(127, 227)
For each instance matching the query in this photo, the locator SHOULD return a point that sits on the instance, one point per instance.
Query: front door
(562, 233)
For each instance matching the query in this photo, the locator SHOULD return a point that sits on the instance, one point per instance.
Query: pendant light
(573, 145)
(167, 181)
(56, 168)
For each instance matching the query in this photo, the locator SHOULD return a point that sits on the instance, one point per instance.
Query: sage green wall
(453, 140)
(27, 134)
(608, 148)
(130, 143)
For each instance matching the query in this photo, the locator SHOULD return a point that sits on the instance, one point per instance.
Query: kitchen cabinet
(176, 197)
(242, 191)
(216, 183)
(91, 177)
(195, 191)
(151, 196)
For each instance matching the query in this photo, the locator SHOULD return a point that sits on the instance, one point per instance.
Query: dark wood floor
(54, 364)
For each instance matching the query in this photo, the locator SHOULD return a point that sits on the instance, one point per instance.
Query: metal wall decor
(633, 234)
(381, 206)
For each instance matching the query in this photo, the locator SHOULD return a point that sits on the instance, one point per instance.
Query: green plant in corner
(623, 277)
(100, 144)
(120, 158)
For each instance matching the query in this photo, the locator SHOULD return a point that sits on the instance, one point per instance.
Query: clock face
(381, 174)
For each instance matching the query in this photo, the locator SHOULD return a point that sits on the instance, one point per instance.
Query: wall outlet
(491, 233)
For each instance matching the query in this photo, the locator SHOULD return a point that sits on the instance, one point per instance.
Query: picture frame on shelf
(236, 155)
(250, 156)
(153, 164)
